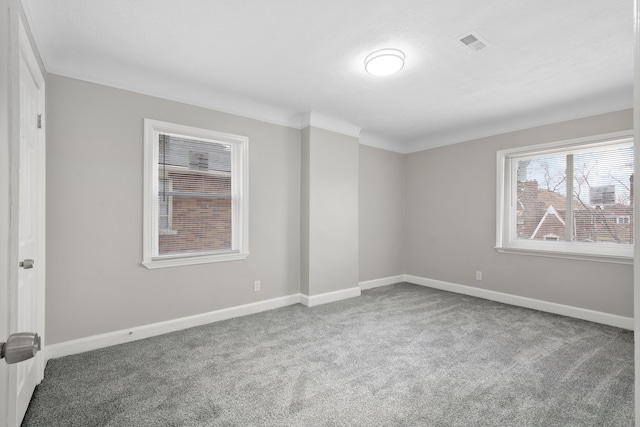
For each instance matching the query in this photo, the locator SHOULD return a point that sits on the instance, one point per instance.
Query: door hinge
(39, 121)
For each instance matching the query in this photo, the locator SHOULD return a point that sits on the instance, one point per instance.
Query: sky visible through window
(609, 167)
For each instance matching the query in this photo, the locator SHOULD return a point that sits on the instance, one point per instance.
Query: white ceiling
(298, 61)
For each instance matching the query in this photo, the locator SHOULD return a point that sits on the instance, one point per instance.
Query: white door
(26, 310)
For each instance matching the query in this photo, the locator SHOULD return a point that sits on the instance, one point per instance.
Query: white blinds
(194, 199)
(599, 180)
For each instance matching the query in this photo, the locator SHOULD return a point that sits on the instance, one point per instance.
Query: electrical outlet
(478, 275)
(256, 286)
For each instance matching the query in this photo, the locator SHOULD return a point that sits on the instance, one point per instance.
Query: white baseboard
(314, 300)
(370, 284)
(549, 307)
(95, 342)
(140, 332)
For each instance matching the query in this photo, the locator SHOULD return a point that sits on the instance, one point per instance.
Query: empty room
(305, 213)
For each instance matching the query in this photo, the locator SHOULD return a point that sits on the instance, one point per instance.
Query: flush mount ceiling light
(384, 62)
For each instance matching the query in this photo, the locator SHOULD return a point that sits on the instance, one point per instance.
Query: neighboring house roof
(550, 210)
(549, 198)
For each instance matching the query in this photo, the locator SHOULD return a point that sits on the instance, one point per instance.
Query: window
(623, 220)
(195, 186)
(571, 199)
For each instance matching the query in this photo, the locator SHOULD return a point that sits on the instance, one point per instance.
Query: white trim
(212, 99)
(549, 307)
(304, 300)
(95, 342)
(614, 259)
(239, 191)
(313, 300)
(329, 123)
(193, 260)
(381, 143)
(376, 283)
(501, 175)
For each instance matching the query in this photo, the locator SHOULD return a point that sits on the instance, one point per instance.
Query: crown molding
(382, 143)
(603, 103)
(231, 104)
(212, 99)
(329, 123)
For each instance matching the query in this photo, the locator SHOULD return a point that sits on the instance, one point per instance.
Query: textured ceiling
(291, 61)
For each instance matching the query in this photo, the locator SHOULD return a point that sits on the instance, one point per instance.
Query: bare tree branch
(620, 182)
(564, 178)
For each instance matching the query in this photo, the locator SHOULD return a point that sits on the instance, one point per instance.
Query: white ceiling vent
(472, 41)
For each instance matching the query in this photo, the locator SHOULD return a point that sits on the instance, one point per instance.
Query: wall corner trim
(376, 283)
(313, 300)
(95, 342)
(549, 307)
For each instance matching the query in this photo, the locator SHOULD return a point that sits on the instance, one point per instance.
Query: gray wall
(304, 210)
(381, 213)
(450, 224)
(96, 283)
(332, 212)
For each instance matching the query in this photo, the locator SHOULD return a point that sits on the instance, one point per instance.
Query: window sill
(192, 260)
(168, 232)
(615, 259)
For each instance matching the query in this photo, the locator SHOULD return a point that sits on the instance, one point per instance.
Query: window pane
(200, 195)
(541, 198)
(164, 220)
(163, 215)
(603, 211)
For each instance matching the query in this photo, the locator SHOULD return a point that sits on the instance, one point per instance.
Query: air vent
(472, 41)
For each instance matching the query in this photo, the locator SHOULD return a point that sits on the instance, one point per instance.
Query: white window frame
(239, 195)
(169, 230)
(506, 241)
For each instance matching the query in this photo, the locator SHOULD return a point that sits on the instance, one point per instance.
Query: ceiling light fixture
(384, 62)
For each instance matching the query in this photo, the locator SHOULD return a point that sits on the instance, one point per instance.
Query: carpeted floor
(400, 355)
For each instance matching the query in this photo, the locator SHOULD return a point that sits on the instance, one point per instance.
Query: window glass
(199, 195)
(542, 189)
(602, 194)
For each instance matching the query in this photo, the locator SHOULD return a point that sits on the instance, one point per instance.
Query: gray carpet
(399, 355)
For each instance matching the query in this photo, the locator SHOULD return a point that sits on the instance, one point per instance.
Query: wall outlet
(478, 275)
(256, 286)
